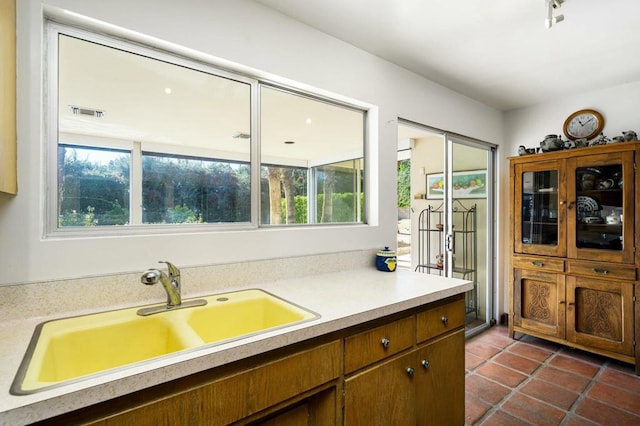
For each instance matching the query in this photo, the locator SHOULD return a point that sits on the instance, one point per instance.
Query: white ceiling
(495, 51)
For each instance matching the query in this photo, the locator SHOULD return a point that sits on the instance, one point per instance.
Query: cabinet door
(539, 302)
(440, 381)
(382, 395)
(243, 394)
(600, 314)
(600, 210)
(539, 208)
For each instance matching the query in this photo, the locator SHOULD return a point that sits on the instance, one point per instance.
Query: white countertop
(342, 299)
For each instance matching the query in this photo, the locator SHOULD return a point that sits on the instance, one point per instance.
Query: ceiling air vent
(87, 112)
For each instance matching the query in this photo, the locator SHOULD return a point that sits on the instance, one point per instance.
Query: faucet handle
(174, 272)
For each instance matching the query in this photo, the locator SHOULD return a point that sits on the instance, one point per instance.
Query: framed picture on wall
(469, 184)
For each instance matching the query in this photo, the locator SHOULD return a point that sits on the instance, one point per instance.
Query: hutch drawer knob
(385, 343)
(425, 363)
(601, 271)
(445, 319)
(410, 371)
(537, 263)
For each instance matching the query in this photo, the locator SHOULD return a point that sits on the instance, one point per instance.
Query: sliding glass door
(452, 209)
(468, 223)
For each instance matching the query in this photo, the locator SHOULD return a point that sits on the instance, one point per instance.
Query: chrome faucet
(171, 284)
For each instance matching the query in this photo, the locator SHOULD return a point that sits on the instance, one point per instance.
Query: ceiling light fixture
(239, 135)
(551, 5)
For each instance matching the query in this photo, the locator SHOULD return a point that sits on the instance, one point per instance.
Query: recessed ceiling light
(168, 90)
(308, 121)
(239, 135)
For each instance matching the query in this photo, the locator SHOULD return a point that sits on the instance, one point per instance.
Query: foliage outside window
(144, 138)
(190, 190)
(404, 183)
(93, 186)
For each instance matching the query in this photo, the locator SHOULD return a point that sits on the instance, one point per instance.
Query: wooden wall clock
(583, 124)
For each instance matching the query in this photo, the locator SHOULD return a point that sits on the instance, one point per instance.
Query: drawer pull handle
(601, 271)
(385, 343)
(410, 371)
(445, 319)
(425, 363)
(537, 263)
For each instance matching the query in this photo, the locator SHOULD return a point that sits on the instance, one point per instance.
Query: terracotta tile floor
(529, 381)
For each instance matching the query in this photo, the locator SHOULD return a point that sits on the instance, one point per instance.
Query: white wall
(265, 43)
(619, 106)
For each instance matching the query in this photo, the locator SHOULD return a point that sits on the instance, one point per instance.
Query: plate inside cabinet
(586, 206)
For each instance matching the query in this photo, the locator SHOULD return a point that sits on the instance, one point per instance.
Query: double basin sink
(76, 348)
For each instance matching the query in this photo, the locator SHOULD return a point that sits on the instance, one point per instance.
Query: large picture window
(145, 138)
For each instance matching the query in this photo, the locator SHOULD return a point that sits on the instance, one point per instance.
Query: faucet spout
(170, 282)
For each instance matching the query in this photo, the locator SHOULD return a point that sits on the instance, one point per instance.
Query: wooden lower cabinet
(426, 387)
(423, 385)
(411, 374)
(591, 313)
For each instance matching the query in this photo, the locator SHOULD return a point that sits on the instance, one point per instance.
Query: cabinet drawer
(602, 270)
(439, 320)
(373, 345)
(538, 263)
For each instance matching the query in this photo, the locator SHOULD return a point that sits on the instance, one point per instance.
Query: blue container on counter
(386, 260)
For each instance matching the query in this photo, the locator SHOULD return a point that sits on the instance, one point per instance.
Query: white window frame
(50, 176)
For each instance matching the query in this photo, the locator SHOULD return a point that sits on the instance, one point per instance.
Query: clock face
(585, 124)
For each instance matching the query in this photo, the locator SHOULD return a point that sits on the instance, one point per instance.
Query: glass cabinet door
(539, 222)
(600, 219)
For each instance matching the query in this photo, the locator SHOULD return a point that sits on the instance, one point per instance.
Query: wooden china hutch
(574, 265)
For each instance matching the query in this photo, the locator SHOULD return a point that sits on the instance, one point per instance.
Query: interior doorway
(451, 212)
